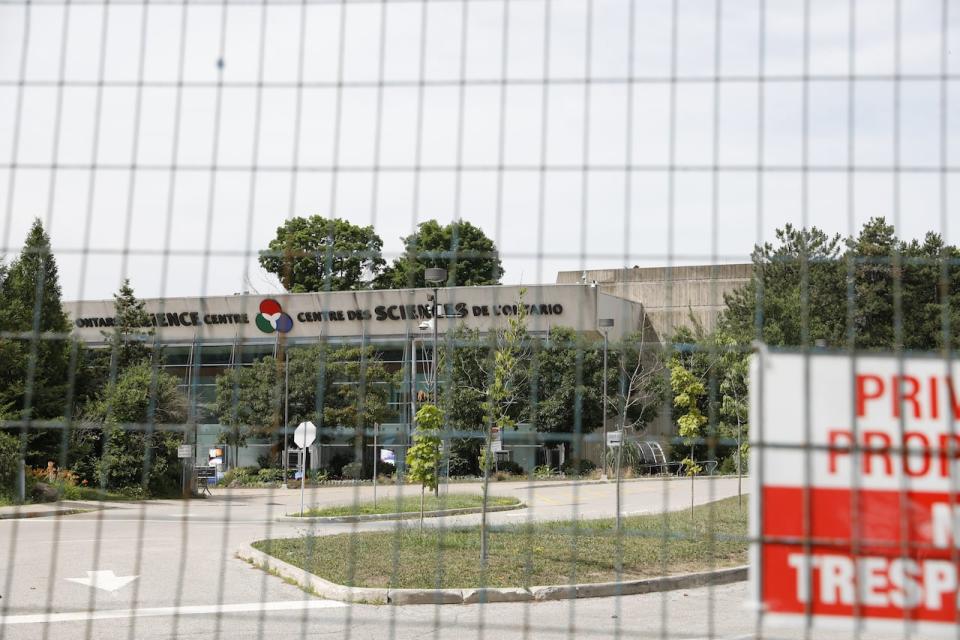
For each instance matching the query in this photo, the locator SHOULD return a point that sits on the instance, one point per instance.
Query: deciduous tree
(323, 254)
(464, 250)
(423, 456)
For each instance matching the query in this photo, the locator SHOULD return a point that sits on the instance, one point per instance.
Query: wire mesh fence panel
(477, 318)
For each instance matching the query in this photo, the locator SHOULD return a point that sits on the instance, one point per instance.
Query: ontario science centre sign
(348, 313)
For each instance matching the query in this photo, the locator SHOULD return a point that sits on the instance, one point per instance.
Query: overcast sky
(301, 146)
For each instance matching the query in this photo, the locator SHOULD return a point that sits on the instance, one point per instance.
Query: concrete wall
(670, 294)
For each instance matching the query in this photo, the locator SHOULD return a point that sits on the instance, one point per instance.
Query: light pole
(435, 275)
(605, 324)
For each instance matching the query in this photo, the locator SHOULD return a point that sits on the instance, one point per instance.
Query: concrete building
(204, 337)
(669, 295)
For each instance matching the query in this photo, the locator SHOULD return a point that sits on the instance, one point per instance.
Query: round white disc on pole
(305, 434)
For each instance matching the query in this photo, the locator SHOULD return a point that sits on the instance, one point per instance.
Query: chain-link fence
(542, 318)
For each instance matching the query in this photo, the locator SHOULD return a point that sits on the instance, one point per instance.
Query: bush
(729, 464)
(270, 475)
(582, 467)
(543, 471)
(337, 462)
(353, 471)
(632, 458)
(320, 475)
(386, 469)
(268, 460)
(464, 453)
(238, 476)
(511, 467)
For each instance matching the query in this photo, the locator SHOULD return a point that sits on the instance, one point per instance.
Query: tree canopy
(464, 250)
(323, 254)
(872, 291)
(342, 386)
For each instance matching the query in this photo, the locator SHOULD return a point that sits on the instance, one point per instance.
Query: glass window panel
(215, 354)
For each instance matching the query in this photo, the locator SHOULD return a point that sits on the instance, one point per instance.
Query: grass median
(525, 555)
(410, 504)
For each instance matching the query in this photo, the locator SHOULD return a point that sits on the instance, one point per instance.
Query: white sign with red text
(855, 463)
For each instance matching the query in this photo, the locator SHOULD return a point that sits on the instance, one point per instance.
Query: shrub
(320, 475)
(632, 458)
(270, 475)
(511, 467)
(238, 476)
(729, 464)
(582, 467)
(268, 460)
(386, 469)
(543, 471)
(133, 493)
(464, 454)
(353, 471)
(338, 462)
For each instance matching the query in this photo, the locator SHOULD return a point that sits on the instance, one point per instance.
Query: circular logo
(272, 318)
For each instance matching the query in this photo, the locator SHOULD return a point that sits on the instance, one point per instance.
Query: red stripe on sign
(881, 554)
(881, 518)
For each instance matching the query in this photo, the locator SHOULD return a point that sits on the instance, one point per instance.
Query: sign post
(303, 437)
(854, 509)
(184, 452)
(496, 443)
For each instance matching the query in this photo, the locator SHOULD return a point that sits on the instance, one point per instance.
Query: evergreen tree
(800, 288)
(873, 291)
(125, 423)
(12, 355)
(130, 339)
(36, 362)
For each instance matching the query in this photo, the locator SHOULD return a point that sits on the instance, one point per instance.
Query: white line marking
(186, 610)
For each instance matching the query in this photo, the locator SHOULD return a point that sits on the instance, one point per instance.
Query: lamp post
(605, 324)
(435, 275)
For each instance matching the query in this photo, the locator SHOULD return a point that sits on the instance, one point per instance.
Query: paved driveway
(166, 569)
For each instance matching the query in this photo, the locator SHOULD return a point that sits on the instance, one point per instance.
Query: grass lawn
(411, 504)
(526, 555)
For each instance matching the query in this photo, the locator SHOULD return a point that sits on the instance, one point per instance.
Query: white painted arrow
(105, 580)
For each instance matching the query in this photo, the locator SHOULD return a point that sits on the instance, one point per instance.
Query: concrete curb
(66, 508)
(544, 484)
(310, 582)
(326, 589)
(24, 515)
(397, 516)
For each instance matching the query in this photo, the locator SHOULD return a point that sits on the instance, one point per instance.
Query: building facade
(204, 337)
